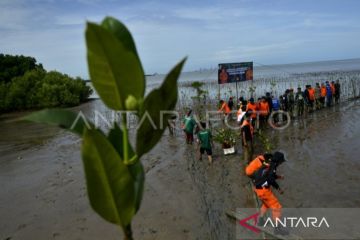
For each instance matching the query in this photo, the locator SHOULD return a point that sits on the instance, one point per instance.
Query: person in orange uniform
(247, 136)
(224, 108)
(332, 86)
(262, 171)
(311, 91)
(252, 108)
(264, 111)
(323, 95)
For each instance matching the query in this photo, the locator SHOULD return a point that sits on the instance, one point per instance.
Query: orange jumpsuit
(225, 108)
(323, 91)
(332, 86)
(264, 108)
(254, 165)
(269, 200)
(311, 94)
(252, 107)
(265, 194)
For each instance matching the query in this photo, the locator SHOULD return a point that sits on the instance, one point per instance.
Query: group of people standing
(309, 99)
(253, 115)
(295, 103)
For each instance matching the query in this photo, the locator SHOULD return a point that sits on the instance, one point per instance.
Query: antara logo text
(295, 222)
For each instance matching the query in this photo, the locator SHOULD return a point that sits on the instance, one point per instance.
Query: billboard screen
(235, 72)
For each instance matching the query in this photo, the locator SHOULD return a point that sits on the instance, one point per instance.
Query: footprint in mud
(69, 181)
(152, 231)
(21, 226)
(186, 231)
(56, 235)
(81, 220)
(53, 184)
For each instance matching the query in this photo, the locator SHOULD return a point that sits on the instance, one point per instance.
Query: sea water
(285, 75)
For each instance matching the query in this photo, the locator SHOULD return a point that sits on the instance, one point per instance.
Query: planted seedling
(114, 173)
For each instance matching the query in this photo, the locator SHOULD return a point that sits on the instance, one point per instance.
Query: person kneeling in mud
(205, 142)
(262, 171)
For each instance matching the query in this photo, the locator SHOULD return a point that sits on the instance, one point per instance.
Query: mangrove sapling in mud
(252, 90)
(265, 141)
(199, 104)
(113, 170)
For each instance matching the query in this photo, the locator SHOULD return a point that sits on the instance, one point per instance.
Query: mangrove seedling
(113, 170)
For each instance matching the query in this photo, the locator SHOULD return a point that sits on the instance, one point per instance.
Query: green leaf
(160, 99)
(121, 32)
(138, 174)
(109, 182)
(115, 69)
(75, 122)
(136, 169)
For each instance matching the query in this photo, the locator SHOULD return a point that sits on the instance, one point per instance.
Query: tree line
(24, 84)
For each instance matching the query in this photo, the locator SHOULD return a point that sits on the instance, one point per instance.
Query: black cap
(278, 157)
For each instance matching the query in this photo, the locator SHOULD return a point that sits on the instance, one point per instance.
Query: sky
(207, 31)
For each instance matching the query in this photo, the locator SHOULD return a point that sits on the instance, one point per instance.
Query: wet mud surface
(44, 197)
(323, 159)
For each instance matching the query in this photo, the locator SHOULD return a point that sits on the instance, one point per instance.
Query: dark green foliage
(36, 88)
(14, 66)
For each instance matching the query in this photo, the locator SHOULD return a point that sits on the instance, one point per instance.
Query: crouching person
(262, 171)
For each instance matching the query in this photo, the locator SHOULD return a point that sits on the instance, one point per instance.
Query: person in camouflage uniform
(300, 102)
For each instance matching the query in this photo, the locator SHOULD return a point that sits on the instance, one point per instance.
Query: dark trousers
(248, 151)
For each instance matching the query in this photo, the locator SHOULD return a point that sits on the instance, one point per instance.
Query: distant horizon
(262, 65)
(256, 64)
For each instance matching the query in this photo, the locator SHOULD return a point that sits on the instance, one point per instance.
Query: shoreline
(19, 113)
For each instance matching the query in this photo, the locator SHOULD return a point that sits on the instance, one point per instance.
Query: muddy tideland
(43, 194)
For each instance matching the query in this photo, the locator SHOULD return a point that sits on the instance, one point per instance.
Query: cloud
(164, 32)
(253, 51)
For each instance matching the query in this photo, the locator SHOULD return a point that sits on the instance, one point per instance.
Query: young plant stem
(128, 233)
(125, 138)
